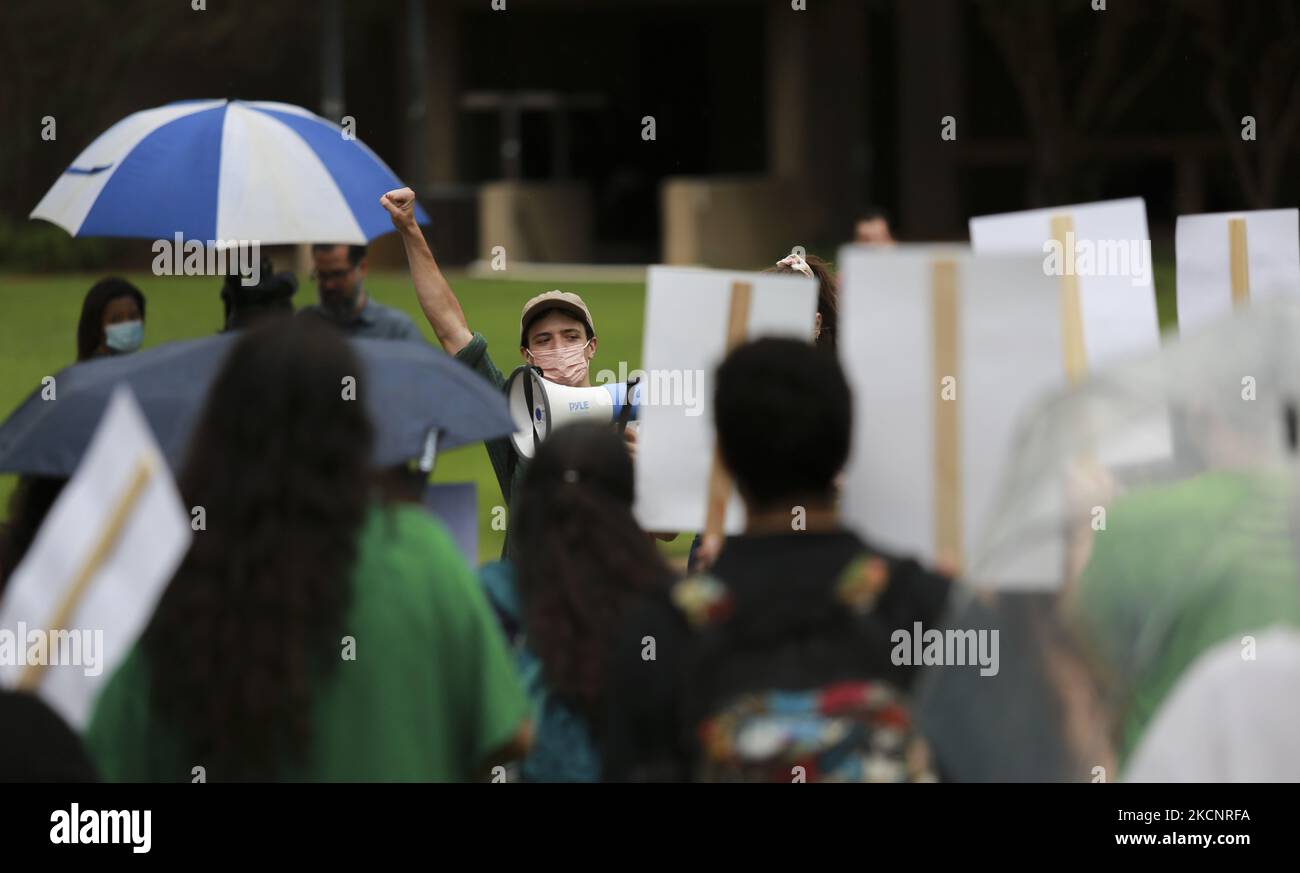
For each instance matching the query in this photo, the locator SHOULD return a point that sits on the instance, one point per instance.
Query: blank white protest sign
(687, 314)
(1116, 288)
(1109, 266)
(1270, 243)
(1006, 350)
(101, 560)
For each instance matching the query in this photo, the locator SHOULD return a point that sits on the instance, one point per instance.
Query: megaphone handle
(528, 399)
(625, 413)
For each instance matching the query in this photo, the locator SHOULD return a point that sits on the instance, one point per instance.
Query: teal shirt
(563, 748)
(431, 695)
(506, 462)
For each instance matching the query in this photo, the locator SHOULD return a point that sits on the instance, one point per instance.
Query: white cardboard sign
(1006, 351)
(1111, 255)
(687, 316)
(120, 529)
(1203, 249)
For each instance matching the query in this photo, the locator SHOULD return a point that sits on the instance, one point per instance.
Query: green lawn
(38, 318)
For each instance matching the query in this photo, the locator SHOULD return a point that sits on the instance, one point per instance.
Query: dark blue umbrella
(410, 390)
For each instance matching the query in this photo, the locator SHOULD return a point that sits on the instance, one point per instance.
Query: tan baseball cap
(565, 300)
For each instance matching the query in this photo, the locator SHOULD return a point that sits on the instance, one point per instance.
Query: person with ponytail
(310, 633)
(583, 559)
(826, 327)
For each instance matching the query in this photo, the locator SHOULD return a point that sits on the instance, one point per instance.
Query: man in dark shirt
(798, 601)
(340, 272)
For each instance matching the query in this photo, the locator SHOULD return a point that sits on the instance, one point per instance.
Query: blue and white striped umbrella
(224, 170)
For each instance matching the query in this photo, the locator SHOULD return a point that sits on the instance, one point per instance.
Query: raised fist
(401, 207)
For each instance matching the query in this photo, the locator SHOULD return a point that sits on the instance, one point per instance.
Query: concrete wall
(733, 222)
(815, 99)
(536, 221)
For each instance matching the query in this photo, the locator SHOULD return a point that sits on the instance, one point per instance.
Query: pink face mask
(567, 365)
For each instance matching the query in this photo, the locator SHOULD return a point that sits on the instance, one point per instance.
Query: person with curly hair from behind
(310, 633)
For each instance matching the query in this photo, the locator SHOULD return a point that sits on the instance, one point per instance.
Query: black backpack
(850, 725)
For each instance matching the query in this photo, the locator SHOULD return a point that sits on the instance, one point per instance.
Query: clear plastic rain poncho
(1146, 517)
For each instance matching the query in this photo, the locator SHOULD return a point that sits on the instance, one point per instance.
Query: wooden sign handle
(140, 477)
(945, 321)
(719, 480)
(1238, 261)
(1075, 358)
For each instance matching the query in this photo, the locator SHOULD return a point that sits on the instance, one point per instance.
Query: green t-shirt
(1179, 569)
(506, 462)
(431, 694)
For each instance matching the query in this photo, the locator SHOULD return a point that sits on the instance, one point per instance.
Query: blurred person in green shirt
(309, 634)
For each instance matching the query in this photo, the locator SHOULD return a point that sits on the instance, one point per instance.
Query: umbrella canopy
(1146, 517)
(410, 390)
(217, 170)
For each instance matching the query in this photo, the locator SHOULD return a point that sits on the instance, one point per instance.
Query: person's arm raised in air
(438, 301)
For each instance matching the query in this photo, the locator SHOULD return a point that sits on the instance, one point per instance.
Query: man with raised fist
(556, 334)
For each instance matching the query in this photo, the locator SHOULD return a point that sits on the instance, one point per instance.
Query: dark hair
(245, 305)
(582, 557)
(90, 329)
(29, 503)
(784, 415)
(355, 253)
(871, 213)
(828, 296)
(37, 745)
(399, 483)
(252, 619)
(563, 310)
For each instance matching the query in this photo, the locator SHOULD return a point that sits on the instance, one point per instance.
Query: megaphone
(539, 405)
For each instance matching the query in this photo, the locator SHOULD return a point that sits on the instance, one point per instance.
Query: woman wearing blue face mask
(112, 320)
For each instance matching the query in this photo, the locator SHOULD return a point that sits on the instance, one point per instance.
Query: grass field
(38, 318)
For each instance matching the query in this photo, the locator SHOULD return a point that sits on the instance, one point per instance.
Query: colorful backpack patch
(849, 732)
(856, 731)
(702, 599)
